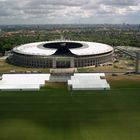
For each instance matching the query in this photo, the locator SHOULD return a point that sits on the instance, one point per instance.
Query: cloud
(120, 2)
(58, 3)
(68, 11)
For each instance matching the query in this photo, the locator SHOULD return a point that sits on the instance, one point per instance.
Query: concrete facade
(53, 62)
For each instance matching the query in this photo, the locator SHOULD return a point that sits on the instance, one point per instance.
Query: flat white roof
(23, 81)
(80, 81)
(90, 81)
(89, 48)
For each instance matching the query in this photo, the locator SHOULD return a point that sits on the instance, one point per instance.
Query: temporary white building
(79, 81)
(88, 81)
(23, 81)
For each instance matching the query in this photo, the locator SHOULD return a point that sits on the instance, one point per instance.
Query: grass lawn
(101, 69)
(6, 67)
(59, 114)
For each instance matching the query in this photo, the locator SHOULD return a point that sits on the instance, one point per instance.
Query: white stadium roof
(88, 48)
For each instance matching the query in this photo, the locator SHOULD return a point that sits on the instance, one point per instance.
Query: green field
(55, 113)
(7, 67)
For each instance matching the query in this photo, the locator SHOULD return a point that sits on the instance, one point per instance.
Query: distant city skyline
(69, 12)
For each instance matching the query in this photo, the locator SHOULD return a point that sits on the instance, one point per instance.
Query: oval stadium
(61, 54)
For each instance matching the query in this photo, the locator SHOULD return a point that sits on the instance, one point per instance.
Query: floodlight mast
(137, 63)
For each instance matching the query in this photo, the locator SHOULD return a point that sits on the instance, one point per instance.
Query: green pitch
(59, 114)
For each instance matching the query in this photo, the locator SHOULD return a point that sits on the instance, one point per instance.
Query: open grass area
(54, 113)
(6, 68)
(121, 66)
(101, 69)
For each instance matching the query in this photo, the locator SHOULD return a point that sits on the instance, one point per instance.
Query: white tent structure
(23, 81)
(33, 82)
(88, 81)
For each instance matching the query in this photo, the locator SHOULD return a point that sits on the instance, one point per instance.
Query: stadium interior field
(54, 113)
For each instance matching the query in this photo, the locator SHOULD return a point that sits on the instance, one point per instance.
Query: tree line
(111, 38)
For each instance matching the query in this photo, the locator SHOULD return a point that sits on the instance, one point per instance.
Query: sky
(69, 11)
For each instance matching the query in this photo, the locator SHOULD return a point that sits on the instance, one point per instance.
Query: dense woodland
(114, 38)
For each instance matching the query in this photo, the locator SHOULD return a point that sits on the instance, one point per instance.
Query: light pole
(137, 63)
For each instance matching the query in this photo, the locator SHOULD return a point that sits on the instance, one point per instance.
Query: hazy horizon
(18, 12)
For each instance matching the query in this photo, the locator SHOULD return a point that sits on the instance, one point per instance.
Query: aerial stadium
(61, 54)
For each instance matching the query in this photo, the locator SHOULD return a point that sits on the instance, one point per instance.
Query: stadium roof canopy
(79, 48)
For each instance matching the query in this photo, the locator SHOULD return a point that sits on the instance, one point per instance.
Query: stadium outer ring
(61, 54)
